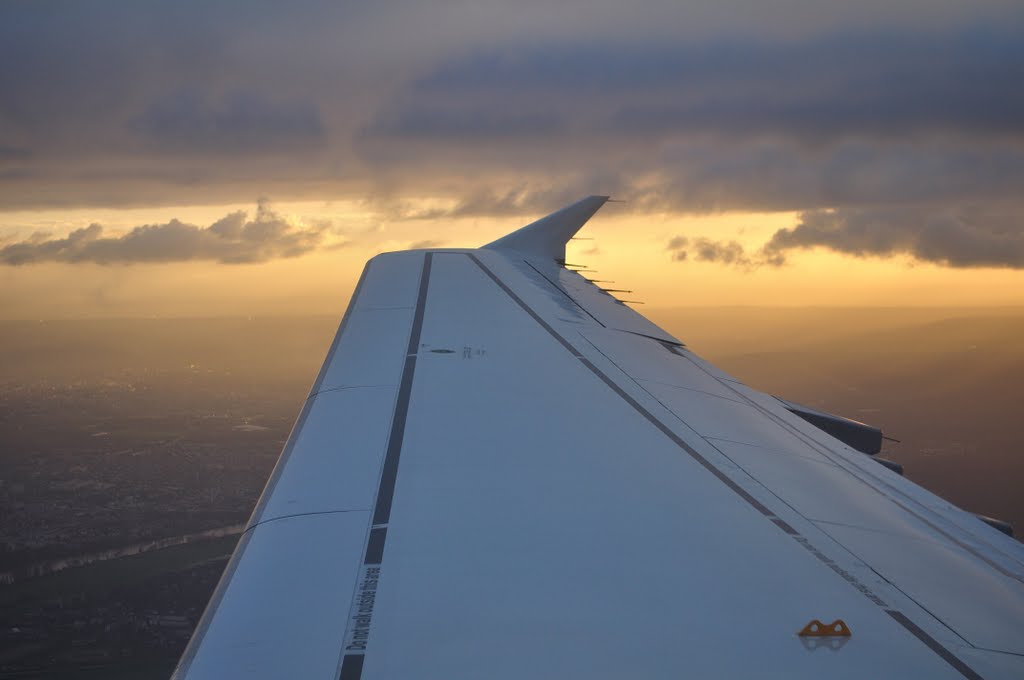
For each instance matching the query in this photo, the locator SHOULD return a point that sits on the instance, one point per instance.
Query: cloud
(894, 116)
(13, 153)
(427, 243)
(243, 122)
(519, 199)
(679, 107)
(876, 83)
(233, 239)
(971, 237)
(776, 176)
(729, 253)
(968, 237)
(466, 126)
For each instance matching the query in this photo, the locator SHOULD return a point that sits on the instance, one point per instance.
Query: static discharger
(816, 628)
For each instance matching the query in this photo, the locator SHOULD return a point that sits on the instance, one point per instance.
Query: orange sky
(630, 249)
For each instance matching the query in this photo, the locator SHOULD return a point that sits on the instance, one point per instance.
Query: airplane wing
(504, 472)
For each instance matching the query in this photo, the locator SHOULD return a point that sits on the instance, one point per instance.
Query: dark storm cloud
(771, 175)
(467, 125)
(13, 153)
(242, 122)
(972, 237)
(232, 239)
(703, 106)
(109, 97)
(875, 84)
(868, 118)
(888, 85)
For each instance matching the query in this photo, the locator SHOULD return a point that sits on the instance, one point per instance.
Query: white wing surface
(504, 472)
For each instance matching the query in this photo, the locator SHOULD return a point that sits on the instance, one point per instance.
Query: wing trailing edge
(547, 236)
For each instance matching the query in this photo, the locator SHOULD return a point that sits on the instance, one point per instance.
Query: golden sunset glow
(629, 249)
(823, 200)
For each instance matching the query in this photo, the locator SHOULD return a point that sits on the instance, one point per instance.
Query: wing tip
(547, 236)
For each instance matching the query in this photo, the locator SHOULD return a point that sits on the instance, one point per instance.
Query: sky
(245, 158)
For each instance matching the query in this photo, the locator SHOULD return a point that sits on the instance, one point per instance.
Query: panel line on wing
(784, 525)
(678, 441)
(375, 545)
(525, 307)
(293, 436)
(278, 518)
(923, 636)
(779, 522)
(341, 329)
(677, 386)
(196, 641)
(813, 519)
(385, 493)
(875, 480)
(357, 631)
(639, 408)
(563, 292)
(933, 644)
(340, 388)
(282, 462)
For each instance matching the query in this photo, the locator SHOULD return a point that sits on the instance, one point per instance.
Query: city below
(133, 451)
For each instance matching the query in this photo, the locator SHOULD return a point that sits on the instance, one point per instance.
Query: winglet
(547, 236)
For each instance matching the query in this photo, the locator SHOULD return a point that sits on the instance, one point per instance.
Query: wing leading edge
(501, 471)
